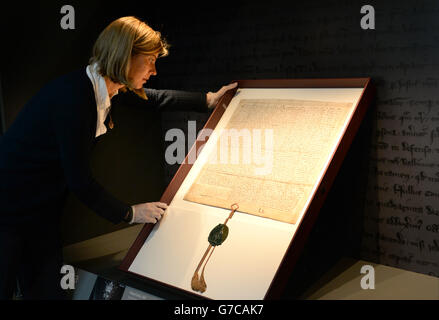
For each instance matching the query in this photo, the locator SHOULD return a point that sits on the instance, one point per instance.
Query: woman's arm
(187, 101)
(175, 100)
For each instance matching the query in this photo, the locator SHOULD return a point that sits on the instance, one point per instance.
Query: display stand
(259, 254)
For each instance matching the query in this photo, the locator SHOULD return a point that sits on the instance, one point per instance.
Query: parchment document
(269, 156)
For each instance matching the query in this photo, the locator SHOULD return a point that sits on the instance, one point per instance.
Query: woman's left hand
(212, 98)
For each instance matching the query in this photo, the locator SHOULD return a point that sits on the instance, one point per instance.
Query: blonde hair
(120, 40)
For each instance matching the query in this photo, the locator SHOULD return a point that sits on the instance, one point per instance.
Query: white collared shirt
(103, 103)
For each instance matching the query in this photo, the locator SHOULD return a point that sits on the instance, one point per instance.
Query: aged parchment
(278, 177)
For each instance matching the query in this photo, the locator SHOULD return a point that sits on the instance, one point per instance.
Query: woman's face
(142, 67)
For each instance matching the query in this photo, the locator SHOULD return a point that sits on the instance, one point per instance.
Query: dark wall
(2, 111)
(213, 44)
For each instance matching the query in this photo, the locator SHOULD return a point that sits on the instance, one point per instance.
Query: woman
(46, 152)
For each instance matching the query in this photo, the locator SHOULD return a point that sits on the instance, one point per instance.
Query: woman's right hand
(150, 212)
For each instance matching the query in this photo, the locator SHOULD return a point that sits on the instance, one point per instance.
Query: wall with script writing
(311, 39)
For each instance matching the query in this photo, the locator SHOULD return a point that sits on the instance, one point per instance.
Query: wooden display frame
(303, 229)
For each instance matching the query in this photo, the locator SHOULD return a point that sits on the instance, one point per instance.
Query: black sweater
(47, 150)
